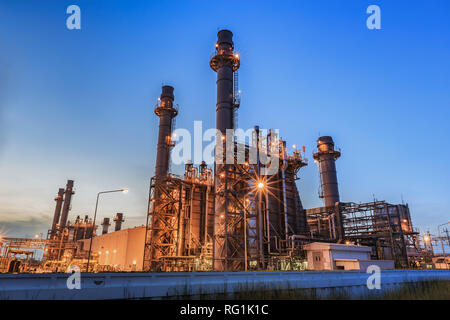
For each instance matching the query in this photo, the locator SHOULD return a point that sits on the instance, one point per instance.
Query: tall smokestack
(325, 158)
(66, 207)
(166, 112)
(225, 62)
(118, 221)
(57, 214)
(105, 225)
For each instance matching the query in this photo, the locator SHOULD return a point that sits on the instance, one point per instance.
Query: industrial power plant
(243, 213)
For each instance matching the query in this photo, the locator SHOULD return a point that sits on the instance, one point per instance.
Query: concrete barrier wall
(170, 285)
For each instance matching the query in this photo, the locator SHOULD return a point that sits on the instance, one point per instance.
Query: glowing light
(294, 146)
(134, 261)
(261, 185)
(114, 251)
(107, 252)
(125, 190)
(99, 252)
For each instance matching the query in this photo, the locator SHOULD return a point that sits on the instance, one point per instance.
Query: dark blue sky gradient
(79, 104)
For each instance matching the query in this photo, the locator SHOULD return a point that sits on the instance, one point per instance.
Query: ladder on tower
(236, 97)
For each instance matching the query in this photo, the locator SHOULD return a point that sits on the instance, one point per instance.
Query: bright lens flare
(260, 185)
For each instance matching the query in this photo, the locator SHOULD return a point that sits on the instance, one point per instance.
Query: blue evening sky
(78, 104)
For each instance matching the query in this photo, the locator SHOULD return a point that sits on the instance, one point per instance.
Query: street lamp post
(93, 223)
(427, 239)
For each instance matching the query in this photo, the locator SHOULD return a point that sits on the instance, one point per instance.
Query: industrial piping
(166, 112)
(325, 158)
(66, 207)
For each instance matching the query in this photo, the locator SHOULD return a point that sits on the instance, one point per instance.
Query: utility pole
(440, 237)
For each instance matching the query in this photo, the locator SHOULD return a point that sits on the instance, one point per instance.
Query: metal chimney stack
(225, 62)
(166, 112)
(66, 207)
(105, 225)
(57, 214)
(325, 158)
(118, 221)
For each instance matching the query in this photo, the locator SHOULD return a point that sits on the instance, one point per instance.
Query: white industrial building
(333, 256)
(123, 249)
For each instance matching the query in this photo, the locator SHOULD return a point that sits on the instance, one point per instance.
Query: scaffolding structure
(258, 208)
(246, 226)
(180, 222)
(236, 222)
(385, 227)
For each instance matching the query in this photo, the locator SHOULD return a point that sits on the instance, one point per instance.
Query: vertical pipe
(206, 214)
(191, 213)
(57, 214)
(283, 177)
(333, 222)
(180, 241)
(267, 224)
(245, 238)
(66, 207)
(259, 221)
(442, 242)
(330, 232)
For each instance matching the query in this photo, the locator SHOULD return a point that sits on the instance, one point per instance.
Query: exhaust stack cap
(225, 36)
(167, 92)
(325, 143)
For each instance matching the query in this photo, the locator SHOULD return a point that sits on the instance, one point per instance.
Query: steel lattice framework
(236, 225)
(380, 225)
(179, 224)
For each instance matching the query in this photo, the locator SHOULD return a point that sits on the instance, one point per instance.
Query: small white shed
(335, 256)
